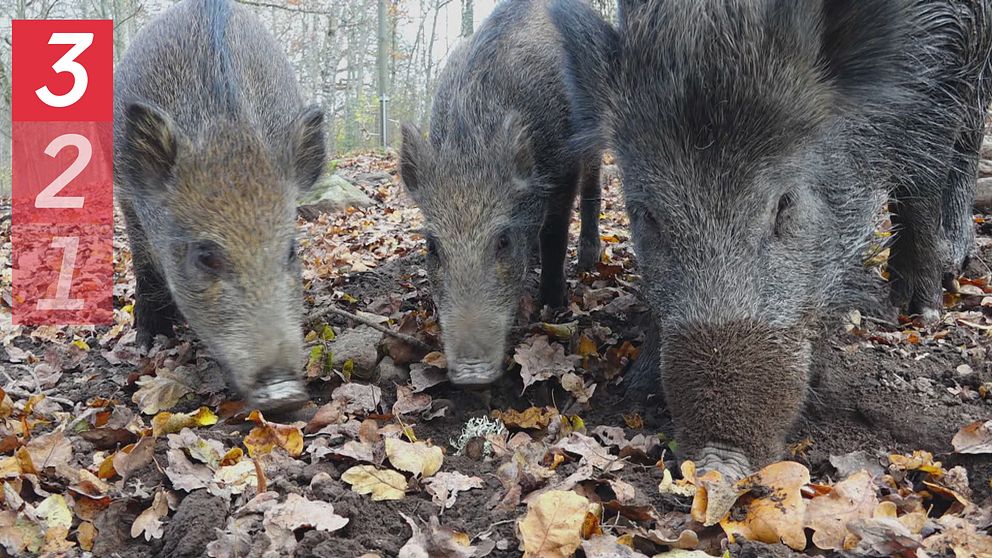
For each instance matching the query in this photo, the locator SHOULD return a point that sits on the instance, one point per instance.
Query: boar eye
(782, 218)
(502, 243)
(292, 252)
(432, 251)
(207, 257)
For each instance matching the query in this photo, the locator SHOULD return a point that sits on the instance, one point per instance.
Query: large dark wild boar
(758, 142)
(213, 143)
(496, 175)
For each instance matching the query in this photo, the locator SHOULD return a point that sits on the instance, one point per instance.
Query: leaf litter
(91, 425)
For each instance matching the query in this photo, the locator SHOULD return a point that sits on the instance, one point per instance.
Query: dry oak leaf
(775, 508)
(358, 398)
(437, 542)
(445, 486)
(149, 522)
(382, 484)
(540, 360)
(134, 457)
(50, 450)
(162, 391)
(974, 438)
(553, 525)
(408, 402)
(169, 423)
(297, 512)
(418, 458)
(268, 435)
(186, 475)
(828, 515)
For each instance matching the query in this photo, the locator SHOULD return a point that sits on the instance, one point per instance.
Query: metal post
(383, 73)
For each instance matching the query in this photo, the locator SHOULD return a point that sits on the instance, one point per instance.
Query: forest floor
(110, 450)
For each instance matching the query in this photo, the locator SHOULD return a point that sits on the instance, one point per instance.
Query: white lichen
(478, 427)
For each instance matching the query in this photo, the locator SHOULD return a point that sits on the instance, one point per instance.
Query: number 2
(47, 198)
(80, 42)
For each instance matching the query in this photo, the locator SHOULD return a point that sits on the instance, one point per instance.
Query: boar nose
(278, 391)
(474, 373)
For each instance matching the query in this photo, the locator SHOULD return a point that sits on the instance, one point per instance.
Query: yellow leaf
(85, 534)
(268, 435)
(171, 423)
(79, 343)
(327, 334)
(418, 458)
(587, 347)
(532, 418)
(553, 525)
(382, 484)
(774, 505)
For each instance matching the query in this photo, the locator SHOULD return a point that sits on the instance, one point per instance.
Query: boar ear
(150, 144)
(518, 144)
(414, 156)
(308, 147)
(592, 60)
(861, 47)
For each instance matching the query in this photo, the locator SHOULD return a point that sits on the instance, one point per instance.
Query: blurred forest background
(338, 47)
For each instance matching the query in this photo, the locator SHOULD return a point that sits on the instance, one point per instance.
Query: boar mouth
(474, 373)
(272, 391)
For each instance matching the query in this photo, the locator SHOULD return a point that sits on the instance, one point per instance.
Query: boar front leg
(155, 312)
(589, 206)
(554, 242)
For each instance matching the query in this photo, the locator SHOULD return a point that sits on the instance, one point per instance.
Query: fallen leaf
(149, 522)
(424, 377)
(162, 391)
(974, 438)
(552, 527)
(774, 505)
(269, 435)
(408, 402)
(297, 512)
(137, 457)
(608, 546)
(828, 515)
(532, 418)
(418, 458)
(437, 542)
(358, 398)
(382, 484)
(445, 486)
(169, 423)
(540, 360)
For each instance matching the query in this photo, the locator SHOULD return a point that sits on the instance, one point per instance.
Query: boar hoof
(589, 254)
(730, 463)
(149, 327)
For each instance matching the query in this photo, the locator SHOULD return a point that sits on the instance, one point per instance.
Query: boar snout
(734, 390)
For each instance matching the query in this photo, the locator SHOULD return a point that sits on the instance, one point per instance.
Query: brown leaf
(540, 360)
(829, 515)
(974, 438)
(149, 522)
(445, 486)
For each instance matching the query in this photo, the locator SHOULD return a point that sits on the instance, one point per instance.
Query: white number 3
(80, 42)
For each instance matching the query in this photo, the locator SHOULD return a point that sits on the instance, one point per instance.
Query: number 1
(69, 246)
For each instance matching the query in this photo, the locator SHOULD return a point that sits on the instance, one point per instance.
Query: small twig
(409, 339)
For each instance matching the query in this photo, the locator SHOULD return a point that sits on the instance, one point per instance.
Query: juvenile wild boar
(496, 175)
(758, 142)
(213, 143)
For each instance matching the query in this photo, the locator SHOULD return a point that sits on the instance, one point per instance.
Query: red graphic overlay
(63, 206)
